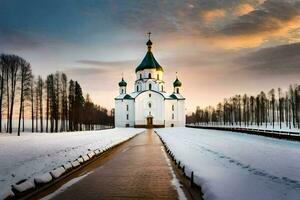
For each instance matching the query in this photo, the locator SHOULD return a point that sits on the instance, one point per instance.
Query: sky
(219, 48)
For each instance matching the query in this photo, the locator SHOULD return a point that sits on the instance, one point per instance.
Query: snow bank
(97, 152)
(23, 186)
(75, 163)
(67, 166)
(42, 179)
(80, 160)
(33, 154)
(91, 154)
(85, 158)
(231, 165)
(58, 172)
(263, 127)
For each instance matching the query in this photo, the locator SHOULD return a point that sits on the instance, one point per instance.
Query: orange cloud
(210, 15)
(284, 30)
(243, 9)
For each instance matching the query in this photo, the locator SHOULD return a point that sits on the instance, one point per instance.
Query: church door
(149, 122)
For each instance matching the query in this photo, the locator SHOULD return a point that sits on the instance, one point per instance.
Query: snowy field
(234, 166)
(34, 154)
(267, 127)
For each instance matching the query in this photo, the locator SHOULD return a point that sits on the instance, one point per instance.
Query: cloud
(210, 15)
(96, 67)
(279, 60)
(84, 71)
(274, 19)
(17, 40)
(243, 9)
(108, 63)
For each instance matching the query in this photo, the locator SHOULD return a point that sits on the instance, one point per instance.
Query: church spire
(149, 43)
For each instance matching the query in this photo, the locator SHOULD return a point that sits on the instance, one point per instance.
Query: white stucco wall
(121, 113)
(142, 108)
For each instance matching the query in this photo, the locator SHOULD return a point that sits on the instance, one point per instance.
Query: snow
(175, 182)
(58, 172)
(24, 186)
(80, 160)
(91, 154)
(75, 163)
(97, 152)
(264, 126)
(67, 166)
(34, 154)
(44, 178)
(229, 165)
(85, 158)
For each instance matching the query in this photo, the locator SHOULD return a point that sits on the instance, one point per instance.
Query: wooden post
(192, 179)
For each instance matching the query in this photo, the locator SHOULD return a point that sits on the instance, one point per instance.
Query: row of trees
(54, 104)
(275, 107)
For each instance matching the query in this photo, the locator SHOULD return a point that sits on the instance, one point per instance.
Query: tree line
(54, 104)
(271, 108)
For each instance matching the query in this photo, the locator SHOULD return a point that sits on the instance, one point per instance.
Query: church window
(122, 91)
(150, 95)
(149, 76)
(137, 88)
(150, 86)
(158, 76)
(172, 107)
(162, 88)
(127, 116)
(177, 90)
(172, 115)
(127, 107)
(140, 76)
(149, 104)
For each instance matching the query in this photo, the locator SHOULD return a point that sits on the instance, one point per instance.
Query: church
(149, 105)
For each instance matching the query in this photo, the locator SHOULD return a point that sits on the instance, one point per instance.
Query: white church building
(149, 105)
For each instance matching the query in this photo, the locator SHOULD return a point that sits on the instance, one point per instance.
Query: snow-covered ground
(268, 127)
(34, 154)
(234, 166)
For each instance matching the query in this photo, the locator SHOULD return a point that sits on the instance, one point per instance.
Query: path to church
(138, 171)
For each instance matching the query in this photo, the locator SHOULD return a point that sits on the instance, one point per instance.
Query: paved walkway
(139, 171)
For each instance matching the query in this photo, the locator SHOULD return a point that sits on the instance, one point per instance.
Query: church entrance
(150, 122)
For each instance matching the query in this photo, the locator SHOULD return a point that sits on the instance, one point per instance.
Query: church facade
(149, 105)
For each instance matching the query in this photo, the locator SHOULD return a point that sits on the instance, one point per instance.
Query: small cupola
(122, 85)
(177, 84)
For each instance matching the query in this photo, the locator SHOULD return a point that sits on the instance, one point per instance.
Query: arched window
(172, 107)
(122, 91)
(173, 116)
(127, 116)
(150, 86)
(149, 104)
(162, 88)
(149, 95)
(137, 88)
(177, 90)
(158, 76)
(140, 76)
(127, 107)
(149, 76)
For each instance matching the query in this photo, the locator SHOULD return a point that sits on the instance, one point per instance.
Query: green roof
(149, 61)
(177, 83)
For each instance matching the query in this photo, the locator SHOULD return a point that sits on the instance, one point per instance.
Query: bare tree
(40, 87)
(25, 86)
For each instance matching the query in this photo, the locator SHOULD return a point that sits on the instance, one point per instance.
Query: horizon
(220, 49)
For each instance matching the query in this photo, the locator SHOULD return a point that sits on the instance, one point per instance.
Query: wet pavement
(138, 171)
